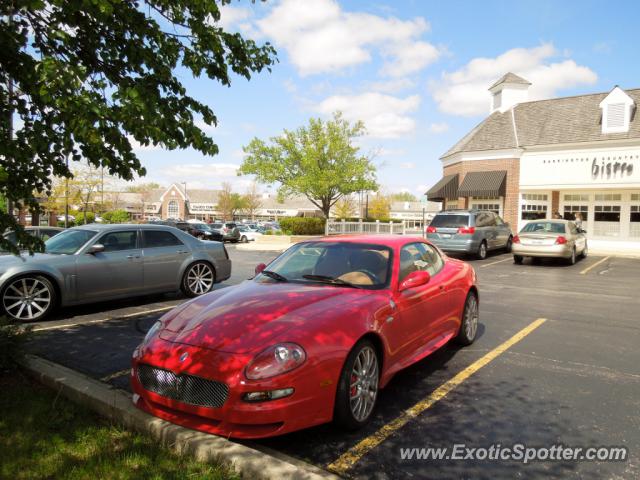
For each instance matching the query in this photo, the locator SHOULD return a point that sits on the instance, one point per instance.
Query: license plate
(445, 235)
(536, 242)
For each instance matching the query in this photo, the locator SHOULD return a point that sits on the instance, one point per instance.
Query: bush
(115, 216)
(70, 223)
(12, 339)
(83, 218)
(303, 225)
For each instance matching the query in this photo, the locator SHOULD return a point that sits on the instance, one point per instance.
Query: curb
(116, 405)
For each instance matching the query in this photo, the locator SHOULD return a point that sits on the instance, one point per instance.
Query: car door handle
(130, 257)
(181, 252)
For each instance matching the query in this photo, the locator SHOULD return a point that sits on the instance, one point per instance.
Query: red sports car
(311, 339)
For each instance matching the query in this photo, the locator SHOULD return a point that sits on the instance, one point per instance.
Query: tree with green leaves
(319, 161)
(379, 207)
(403, 197)
(345, 207)
(83, 80)
(229, 202)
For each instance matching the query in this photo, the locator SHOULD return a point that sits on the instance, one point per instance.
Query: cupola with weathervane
(617, 110)
(508, 92)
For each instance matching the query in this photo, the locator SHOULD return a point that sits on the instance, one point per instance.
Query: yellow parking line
(588, 269)
(498, 261)
(117, 317)
(353, 455)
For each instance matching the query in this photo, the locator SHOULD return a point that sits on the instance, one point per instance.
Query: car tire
(355, 403)
(585, 251)
(572, 259)
(482, 251)
(509, 244)
(244, 239)
(198, 279)
(28, 298)
(469, 324)
(518, 259)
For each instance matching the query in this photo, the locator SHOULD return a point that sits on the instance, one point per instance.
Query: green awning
(484, 184)
(445, 189)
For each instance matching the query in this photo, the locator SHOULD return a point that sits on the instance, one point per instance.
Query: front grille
(183, 388)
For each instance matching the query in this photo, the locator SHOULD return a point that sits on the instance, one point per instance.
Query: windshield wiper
(330, 280)
(275, 275)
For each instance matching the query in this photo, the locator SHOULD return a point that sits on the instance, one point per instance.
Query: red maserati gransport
(311, 339)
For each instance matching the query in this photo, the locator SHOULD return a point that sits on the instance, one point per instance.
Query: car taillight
(431, 230)
(561, 240)
(516, 239)
(467, 230)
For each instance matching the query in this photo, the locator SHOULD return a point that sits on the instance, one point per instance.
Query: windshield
(450, 221)
(68, 242)
(543, 227)
(362, 265)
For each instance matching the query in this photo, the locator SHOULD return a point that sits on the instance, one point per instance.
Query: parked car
(43, 233)
(198, 230)
(228, 230)
(550, 238)
(311, 339)
(94, 263)
(247, 234)
(470, 232)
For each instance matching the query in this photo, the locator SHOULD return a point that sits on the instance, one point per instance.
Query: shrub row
(302, 225)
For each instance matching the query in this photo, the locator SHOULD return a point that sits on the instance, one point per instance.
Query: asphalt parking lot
(572, 379)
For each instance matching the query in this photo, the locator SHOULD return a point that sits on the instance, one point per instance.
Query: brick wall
(165, 204)
(512, 190)
(555, 202)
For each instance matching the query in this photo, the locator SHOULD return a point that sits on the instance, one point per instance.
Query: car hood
(251, 315)
(9, 260)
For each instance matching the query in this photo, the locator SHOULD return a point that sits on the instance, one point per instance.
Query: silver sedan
(550, 238)
(95, 263)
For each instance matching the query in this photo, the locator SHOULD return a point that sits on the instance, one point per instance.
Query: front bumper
(547, 251)
(310, 404)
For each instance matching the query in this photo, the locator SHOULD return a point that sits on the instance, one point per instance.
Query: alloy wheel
(27, 298)
(363, 388)
(471, 317)
(200, 279)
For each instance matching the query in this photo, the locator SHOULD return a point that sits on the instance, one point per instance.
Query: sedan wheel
(198, 279)
(469, 325)
(585, 251)
(28, 298)
(358, 388)
(244, 239)
(572, 258)
(482, 251)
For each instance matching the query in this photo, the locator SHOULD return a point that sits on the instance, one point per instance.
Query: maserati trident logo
(184, 356)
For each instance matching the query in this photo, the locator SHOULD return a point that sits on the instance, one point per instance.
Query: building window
(537, 197)
(173, 211)
(607, 221)
(571, 210)
(608, 197)
(634, 218)
(533, 212)
(576, 197)
(493, 207)
(451, 205)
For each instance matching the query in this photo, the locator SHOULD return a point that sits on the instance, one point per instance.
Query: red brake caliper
(354, 389)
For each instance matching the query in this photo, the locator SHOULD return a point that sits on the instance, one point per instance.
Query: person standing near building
(556, 215)
(578, 220)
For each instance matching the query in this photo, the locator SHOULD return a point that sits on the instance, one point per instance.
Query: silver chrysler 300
(96, 262)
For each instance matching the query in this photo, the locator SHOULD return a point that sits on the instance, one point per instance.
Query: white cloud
(201, 170)
(464, 91)
(389, 152)
(394, 85)
(138, 147)
(421, 189)
(439, 127)
(408, 165)
(320, 37)
(232, 17)
(385, 116)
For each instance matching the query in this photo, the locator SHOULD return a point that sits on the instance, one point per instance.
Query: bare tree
(252, 200)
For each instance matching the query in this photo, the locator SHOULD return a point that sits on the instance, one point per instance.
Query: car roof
(387, 240)
(101, 227)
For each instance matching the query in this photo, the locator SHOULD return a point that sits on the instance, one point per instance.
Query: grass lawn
(45, 436)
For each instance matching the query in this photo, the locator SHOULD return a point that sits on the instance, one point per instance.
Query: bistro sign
(611, 167)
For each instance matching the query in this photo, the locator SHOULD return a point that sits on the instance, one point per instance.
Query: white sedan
(247, 234)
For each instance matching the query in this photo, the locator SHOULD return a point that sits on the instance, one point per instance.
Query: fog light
(266, 396)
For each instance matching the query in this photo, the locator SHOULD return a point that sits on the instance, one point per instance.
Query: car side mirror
(260, 268)
(582, 231)
(415, 279)
(96, 248)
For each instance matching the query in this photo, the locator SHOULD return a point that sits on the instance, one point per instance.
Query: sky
(415, 72)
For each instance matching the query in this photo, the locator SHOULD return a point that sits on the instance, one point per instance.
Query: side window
(117, 241)
(491, 219)
(159, 238)
(481, 220)
(419, 256)
(46, 234)
(573, 228)
(499, 221)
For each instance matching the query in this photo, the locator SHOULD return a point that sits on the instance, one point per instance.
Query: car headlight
(275, 360)
(152, 331)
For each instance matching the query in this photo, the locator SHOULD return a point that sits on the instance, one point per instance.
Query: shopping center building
(531, 159)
